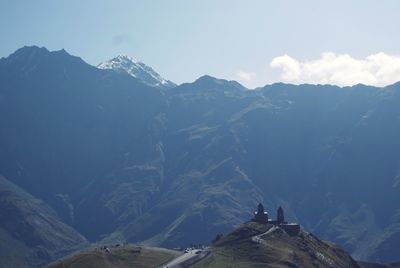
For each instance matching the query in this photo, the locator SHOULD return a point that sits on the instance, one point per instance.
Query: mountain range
(107, 156)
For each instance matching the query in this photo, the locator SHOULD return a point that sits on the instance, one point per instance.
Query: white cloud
(245, 76)
(378, 69)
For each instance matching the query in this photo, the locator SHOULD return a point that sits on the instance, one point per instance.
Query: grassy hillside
(250, 245)
(127, 256)
(274, 249)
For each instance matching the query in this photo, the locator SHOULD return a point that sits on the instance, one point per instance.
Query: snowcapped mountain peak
(126, 58)
(137, 69)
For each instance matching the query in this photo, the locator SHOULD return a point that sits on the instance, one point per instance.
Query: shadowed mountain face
(117, 159)
(31, 232)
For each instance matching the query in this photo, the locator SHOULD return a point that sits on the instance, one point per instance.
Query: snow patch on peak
(137, 69)
(126, 58)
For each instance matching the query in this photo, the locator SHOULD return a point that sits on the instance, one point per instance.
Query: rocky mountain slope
(122, 161)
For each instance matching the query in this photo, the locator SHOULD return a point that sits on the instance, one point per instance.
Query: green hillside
(274, 248)
(127, 256)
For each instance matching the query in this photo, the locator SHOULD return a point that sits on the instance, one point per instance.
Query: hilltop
(265, 245)
(252, 244)
(261, 242)
(125, 256)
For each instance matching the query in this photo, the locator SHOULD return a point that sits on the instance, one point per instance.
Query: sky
(342, 42)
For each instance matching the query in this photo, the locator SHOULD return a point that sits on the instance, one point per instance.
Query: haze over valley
(113, 158)
(199, 134)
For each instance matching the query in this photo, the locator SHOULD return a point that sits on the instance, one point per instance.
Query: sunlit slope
(274, 248)
(119, 257)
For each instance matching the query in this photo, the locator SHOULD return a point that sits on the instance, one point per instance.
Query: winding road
(189, 258)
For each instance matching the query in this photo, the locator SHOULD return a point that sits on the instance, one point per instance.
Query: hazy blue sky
(230, 39)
